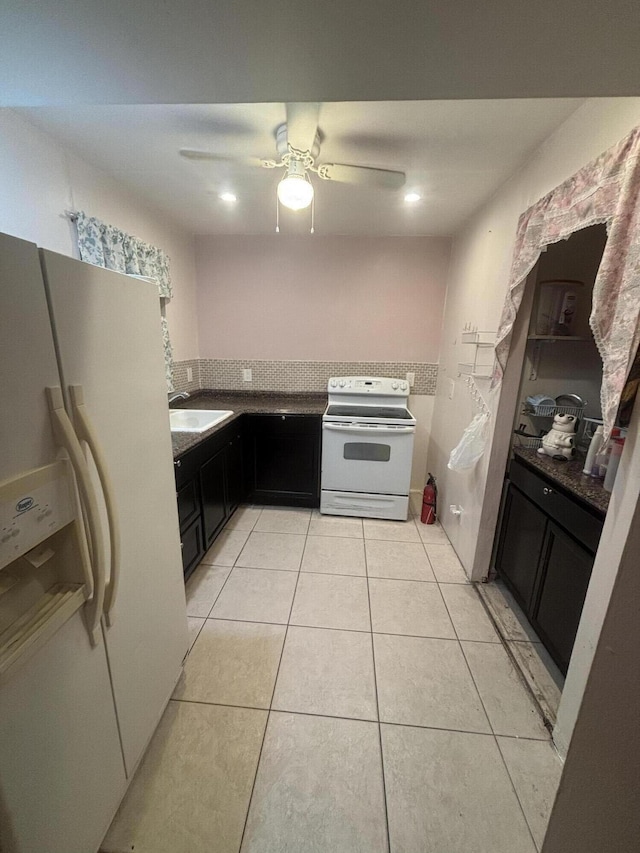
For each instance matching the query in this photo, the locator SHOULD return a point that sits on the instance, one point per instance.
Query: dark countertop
(241, 402)
(568, 475)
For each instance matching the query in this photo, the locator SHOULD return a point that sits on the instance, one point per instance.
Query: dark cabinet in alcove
(523, 534)
(564, 577)
(545, 556)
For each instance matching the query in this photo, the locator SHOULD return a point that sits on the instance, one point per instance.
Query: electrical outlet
(411, 378)
(246, 374)
(189, 374)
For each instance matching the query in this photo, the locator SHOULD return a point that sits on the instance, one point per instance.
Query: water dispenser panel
(32, 507)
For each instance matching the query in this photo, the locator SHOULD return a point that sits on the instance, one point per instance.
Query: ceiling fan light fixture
(295, 192)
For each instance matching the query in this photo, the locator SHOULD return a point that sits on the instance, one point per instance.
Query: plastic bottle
(601, 461)
(594, 446)
(614, 460)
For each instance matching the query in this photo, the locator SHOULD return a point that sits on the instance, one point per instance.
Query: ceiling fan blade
(191, 154)
(383, 178)
(302, 125)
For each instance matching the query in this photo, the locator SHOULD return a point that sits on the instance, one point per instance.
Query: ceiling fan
(298, 143)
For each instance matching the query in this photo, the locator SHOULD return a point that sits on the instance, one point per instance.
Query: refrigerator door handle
(67, 439)
(86, 432)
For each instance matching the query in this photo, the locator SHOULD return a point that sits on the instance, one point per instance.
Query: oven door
(372, 458)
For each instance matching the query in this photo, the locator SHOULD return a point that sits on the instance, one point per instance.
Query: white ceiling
(244, 51)
(455, 153)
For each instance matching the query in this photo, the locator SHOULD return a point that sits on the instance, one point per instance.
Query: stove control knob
(334, 383)
(403, 387)
(342, 383)
(394, 385)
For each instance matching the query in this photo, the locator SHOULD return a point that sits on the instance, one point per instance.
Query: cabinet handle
(178, 463)
(547, 491)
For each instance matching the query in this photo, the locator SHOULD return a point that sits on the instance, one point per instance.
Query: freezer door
(109, 341)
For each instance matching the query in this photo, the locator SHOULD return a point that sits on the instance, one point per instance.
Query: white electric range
(367, 448)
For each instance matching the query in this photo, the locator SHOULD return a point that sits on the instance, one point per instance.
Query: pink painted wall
(321, 298)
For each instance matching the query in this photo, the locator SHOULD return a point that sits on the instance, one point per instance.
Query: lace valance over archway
(606, 191)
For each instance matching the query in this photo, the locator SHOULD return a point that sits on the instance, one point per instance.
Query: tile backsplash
(180, 380)
(226, 374)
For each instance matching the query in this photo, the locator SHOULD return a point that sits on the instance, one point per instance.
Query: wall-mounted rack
(480, 339)
(554, 338)
(481, 367)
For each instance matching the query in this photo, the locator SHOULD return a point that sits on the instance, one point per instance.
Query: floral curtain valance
(106, 246)
(606, 191)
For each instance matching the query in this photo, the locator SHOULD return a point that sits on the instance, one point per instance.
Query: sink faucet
(178, 395)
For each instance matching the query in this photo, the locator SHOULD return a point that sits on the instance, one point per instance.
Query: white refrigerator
(93, 630)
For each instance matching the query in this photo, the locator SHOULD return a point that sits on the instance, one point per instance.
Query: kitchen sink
(196, 420)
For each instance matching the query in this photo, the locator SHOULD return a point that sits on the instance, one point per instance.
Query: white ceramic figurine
(558, 442)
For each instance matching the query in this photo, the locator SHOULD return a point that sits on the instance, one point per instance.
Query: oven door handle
(370, 430)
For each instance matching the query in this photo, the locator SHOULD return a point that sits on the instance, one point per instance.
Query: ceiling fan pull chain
(313, 214)
(277, 215)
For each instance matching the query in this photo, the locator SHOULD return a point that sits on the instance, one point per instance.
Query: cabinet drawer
(188, 503)
(268, 425)
(583, 525)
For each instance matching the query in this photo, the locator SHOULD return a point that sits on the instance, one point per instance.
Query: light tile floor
(345, 692)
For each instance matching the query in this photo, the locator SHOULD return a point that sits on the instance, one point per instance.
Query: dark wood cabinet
(523, 525)
(272, 459)
(210, 483)
(564, 577)
(235, 477)
(213, 492)
(192, 545)
(545, 556)
(285, 458)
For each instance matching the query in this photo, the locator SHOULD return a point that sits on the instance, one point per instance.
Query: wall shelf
(480, 339)
(482, 365)
(556, 338)
(478, 371)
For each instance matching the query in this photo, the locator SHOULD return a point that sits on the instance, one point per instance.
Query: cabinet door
(521, 540)
(564, 578)
(212, 489)
(192, 546)
(235, 471)
(286, 459)
(188, 503)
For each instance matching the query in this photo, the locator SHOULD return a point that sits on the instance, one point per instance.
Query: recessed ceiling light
(228, 197)
(411, 197)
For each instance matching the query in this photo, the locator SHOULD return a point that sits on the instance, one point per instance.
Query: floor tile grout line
(375, 685)
(269, 710)
(515, 791)
(358, 720)
(333, 628)
(341, 574)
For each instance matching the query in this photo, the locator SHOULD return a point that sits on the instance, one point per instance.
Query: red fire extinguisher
(429, 501)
